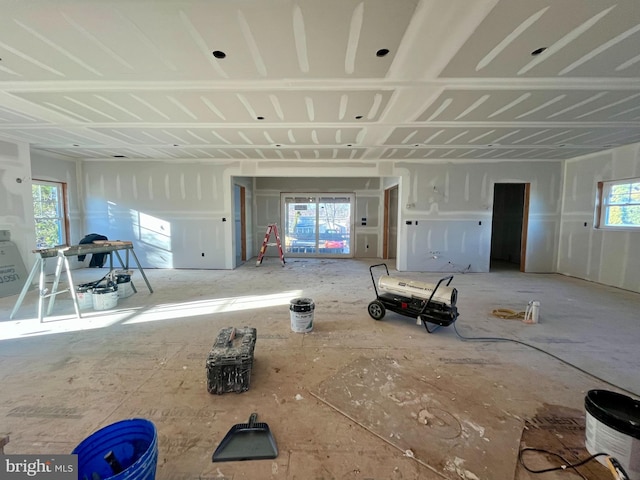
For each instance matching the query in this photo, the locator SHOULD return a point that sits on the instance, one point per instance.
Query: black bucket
(613, 427)
(301, 305)
(123, 278)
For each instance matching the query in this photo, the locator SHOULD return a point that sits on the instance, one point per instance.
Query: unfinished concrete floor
(353, 399)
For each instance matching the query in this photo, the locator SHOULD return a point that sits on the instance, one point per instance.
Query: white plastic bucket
(105, 298)
(613, 427)
(85, 297)
(301, 311)
(532, 312)
(125, 289)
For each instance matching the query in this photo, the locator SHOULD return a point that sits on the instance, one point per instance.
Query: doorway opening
(240, 224)
(509, 226)
(317, 224)
(390, 229)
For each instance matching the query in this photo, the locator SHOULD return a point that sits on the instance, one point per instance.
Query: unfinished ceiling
(330, 79)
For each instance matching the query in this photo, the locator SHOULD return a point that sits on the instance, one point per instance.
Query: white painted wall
(603, 256)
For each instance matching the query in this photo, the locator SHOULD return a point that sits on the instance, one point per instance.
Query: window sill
(618, 229)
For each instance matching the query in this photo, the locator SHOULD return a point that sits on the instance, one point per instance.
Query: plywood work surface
(442, 426)
(560, 430)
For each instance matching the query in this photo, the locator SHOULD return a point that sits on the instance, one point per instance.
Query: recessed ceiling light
(278, 145)
(382, 52)
(119, 156)
(538, 51)
(260, 118)
(219, 54)
(417, 145)
(349, 145)
(358, 117)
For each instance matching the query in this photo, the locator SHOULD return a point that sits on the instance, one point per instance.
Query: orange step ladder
(272, 227)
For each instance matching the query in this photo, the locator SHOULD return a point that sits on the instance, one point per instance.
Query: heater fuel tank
(413, 288)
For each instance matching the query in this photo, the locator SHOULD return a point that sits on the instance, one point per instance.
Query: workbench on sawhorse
(62, 255)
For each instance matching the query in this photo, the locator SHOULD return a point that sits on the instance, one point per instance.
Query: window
(618, 204)
(49, 211)
(318, 224)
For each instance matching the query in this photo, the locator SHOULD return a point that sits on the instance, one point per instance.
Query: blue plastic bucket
(132, 443)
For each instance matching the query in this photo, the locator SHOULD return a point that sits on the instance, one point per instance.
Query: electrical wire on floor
(615, 467)
(504, 339)
(565, 464)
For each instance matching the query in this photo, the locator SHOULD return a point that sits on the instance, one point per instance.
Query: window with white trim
(618, 205)
(49, 212)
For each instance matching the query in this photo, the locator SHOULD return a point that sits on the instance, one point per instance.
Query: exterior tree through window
(49, 213)
(618, 204)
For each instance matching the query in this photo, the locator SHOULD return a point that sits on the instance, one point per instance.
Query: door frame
(386, 227)
(525, 222)
(243, 221)
(525, 227)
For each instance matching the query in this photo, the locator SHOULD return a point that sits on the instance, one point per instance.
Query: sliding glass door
(317, 224)
(301, 219)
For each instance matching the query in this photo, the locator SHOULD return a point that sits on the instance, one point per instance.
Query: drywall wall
(16, 200)
(368, 205)
(174, 211)
(388, 182)
(177, 214)
(449, 207)
(177, 210)
(604, 256)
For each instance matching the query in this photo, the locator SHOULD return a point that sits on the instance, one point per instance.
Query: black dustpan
(247, 441)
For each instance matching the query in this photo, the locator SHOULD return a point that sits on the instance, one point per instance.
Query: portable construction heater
(428, 302)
